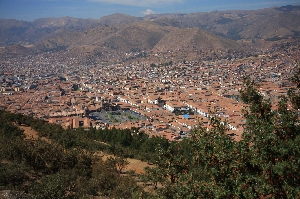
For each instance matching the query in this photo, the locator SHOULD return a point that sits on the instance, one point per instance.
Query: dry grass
(134, 165)
(31, 134)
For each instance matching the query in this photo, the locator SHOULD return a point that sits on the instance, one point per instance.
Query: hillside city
(168, 105)
(166, 99)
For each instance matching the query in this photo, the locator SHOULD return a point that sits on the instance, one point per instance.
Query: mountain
(11, 31)
(21, 32)
(195, 38)
(119, 34)
(269, 24)
(136, 37)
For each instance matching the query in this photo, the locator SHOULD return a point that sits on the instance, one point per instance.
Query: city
(164, 99)
(62, 90)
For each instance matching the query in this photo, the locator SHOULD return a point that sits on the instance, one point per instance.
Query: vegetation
(275, 38)
(265, 163)
(183, 112)
(63, 165)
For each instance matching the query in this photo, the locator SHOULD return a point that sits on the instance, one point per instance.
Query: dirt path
(31, 134)
(134, 164)
(137, 166)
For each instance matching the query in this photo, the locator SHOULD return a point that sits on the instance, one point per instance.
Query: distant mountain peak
(119, 33)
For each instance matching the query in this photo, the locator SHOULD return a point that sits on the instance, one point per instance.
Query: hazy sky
(29, 10)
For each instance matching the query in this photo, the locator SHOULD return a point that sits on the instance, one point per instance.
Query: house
(175, 105)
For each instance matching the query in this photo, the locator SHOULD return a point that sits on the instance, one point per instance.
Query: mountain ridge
(120, 33)
(136, 37)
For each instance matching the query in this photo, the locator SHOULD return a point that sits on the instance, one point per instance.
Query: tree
(117, 163)
(272, 137)
(265, 163)
(53, 186)
(153, 175)
(121, 164)
(13, 173)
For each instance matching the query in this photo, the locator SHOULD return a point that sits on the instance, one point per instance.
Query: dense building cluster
(166, 98)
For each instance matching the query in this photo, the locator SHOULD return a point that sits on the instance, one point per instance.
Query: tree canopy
(264, 164)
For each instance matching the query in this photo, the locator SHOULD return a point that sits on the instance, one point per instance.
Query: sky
(29, 10)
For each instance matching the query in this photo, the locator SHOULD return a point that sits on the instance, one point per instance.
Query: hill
(269, 23)
(239, 24)
(45, 161)
(137, 37)
(195, 34)
(20, 32)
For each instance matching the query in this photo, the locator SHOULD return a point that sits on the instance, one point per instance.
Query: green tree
(272, 137)
(117, 163)
(265, 163)
(53, 186)
(12, 173)
(153, 175)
